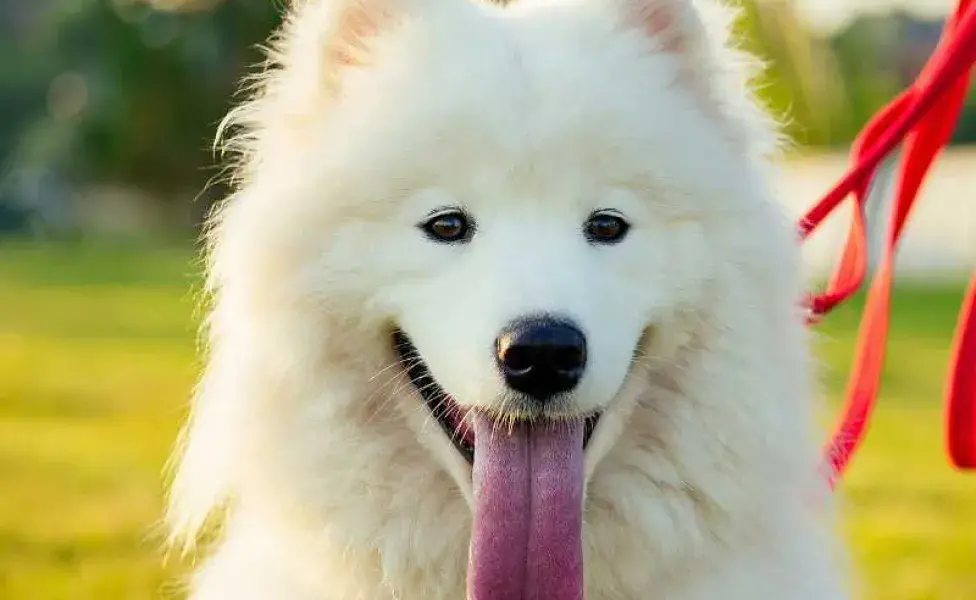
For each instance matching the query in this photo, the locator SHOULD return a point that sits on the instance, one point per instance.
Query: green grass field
(97, 357)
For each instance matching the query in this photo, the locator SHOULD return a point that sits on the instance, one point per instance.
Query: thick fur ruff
(308, 445)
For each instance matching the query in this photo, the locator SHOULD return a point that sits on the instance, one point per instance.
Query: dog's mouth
(527, 478)
(456, 423)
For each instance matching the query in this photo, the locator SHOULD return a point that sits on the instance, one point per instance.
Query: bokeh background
(107, 111)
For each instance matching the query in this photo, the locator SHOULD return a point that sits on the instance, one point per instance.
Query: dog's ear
(673, 24)
(675, 27)
(356, 24)
(698, 34)
(324, 37)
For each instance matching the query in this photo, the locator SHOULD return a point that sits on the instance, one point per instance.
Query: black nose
(541, 357)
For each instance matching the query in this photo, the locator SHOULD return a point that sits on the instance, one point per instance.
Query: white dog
(504, 309)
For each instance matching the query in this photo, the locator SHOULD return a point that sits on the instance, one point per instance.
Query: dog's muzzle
(527, 467)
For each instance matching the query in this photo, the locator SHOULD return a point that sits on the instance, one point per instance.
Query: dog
(503, 307)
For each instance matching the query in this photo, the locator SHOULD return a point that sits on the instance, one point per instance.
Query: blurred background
(107, 112)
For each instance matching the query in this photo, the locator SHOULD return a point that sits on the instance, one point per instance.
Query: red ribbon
(921, 119)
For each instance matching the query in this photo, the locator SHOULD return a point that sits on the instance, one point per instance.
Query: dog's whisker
(393, 378)
(392, 365)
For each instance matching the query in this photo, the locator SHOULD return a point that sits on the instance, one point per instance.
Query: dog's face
(520, 215)
(509, 209)
(523, 217)
(524, 293)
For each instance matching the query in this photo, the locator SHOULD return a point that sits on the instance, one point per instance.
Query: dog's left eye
(447, 226)
(605, 228)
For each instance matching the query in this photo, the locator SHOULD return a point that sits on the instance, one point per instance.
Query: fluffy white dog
(504, 309)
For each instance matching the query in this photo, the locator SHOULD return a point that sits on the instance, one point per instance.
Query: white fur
(326, 473)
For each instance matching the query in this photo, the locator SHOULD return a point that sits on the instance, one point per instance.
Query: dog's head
(512, 209)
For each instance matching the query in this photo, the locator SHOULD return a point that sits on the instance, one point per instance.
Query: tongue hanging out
(526, 541)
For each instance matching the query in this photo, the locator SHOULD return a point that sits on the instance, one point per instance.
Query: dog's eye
(605, 228)
(447, 226)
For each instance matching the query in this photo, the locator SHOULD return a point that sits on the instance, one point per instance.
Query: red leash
(921, 119)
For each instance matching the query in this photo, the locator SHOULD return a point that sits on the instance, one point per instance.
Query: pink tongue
(526, 543)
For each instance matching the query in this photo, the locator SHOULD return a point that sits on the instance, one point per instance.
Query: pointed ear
(356, 25)
(322, 37)
(698, 34)
(673, 24)
(675, 27)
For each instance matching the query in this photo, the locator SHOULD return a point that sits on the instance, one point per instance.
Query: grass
(97, 357)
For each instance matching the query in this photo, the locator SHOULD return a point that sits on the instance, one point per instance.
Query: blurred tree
(865, 51)
(134, 94)
(879, 55)
(966, 128)
(801, 83)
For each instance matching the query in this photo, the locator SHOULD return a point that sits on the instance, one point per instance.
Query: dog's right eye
(449, 226)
